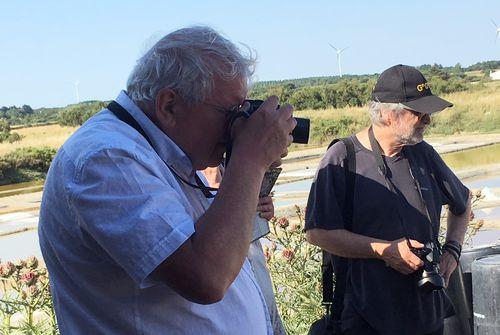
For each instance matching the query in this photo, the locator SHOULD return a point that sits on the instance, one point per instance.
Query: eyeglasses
(419, 115)
(227, 111)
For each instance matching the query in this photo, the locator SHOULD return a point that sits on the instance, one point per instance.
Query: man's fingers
(286, 111)
(267, 216)
(265, 200)
(415, 260)
(265, 208)
(416, 244)
(276, 163)
(270, 103)
(291, 123)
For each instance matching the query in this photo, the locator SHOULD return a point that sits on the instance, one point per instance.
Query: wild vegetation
(6, 135)
(336, 107)
(25, 164)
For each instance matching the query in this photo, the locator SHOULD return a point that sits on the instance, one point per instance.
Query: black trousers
(363, 328)
(354, 324)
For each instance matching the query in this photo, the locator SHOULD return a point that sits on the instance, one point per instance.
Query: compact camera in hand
(429, 277)
(301, 131)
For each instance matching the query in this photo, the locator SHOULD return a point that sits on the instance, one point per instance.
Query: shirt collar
(166, 148)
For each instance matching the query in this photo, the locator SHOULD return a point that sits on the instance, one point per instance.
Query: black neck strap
(382, 169)
(122, 114)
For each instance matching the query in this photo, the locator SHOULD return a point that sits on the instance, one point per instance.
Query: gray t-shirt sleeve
(453, 192)
(326, 197)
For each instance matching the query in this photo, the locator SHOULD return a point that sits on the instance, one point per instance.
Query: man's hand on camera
(264, 137)
(398, 256)
(265, 207)
(447, 265)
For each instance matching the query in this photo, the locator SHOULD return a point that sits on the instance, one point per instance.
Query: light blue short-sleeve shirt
(111, 213)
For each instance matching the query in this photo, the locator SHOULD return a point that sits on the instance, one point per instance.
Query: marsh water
(479, 160)
(24, 244)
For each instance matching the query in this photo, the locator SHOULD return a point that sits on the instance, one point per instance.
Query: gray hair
(377, 110)
(187, 61)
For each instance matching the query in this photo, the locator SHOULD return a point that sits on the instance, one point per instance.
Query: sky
(47, 46)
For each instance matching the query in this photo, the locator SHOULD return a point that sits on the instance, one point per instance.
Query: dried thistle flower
(7, 269)
(20, 263)
(283, 222)
(32, 262)
(28, 277)
(288, 254)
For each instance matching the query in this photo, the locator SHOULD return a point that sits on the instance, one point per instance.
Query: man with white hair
(133, 242)
(380, 212)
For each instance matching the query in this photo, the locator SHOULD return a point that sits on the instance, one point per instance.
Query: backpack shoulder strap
(327, 259)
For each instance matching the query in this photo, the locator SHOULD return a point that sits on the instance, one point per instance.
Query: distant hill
(303, 93)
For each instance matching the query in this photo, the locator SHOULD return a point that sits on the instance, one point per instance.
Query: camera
(429, 278)
(301, 131)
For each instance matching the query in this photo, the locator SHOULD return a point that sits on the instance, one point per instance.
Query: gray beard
(412, 139)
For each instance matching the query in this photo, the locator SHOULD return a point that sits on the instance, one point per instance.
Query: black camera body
(301, 131)
(429, 277)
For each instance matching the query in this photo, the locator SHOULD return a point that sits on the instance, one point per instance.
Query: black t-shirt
(388, 300)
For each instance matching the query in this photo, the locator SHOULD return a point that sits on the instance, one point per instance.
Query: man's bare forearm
(396, 254)
(204, 266)
(457, 224)
(224, 232)
(344, 243)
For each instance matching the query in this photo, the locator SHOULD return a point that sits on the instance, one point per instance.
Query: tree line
(304, 93)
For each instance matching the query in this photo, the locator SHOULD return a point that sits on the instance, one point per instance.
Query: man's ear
(164, 111)
(388, 116)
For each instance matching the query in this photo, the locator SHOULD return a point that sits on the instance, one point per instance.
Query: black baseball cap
(406, 85)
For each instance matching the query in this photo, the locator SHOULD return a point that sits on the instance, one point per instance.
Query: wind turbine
(76, 83)
(497, 27)
(339, 52)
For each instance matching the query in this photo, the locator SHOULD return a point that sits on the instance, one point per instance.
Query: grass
(51, 136)
(476, 111)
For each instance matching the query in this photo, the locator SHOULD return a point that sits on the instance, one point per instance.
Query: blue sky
(48, 45)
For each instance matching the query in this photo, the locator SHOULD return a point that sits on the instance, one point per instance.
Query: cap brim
(428, 105)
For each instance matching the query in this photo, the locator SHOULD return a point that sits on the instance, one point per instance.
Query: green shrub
(5, 133)
(32, 158)
(325, 130)
(5, 168)
(76, 115)
(25, 164)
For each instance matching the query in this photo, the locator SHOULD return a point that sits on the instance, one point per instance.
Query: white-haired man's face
(200, 130)
(409, 127)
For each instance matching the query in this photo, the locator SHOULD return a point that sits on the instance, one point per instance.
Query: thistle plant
(473, 226)
(25, 291)
(295, 269)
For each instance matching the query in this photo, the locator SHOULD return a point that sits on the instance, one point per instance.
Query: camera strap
(382, 169)
(124, 116)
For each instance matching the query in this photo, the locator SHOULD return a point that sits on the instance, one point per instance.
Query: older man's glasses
(228, 112)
